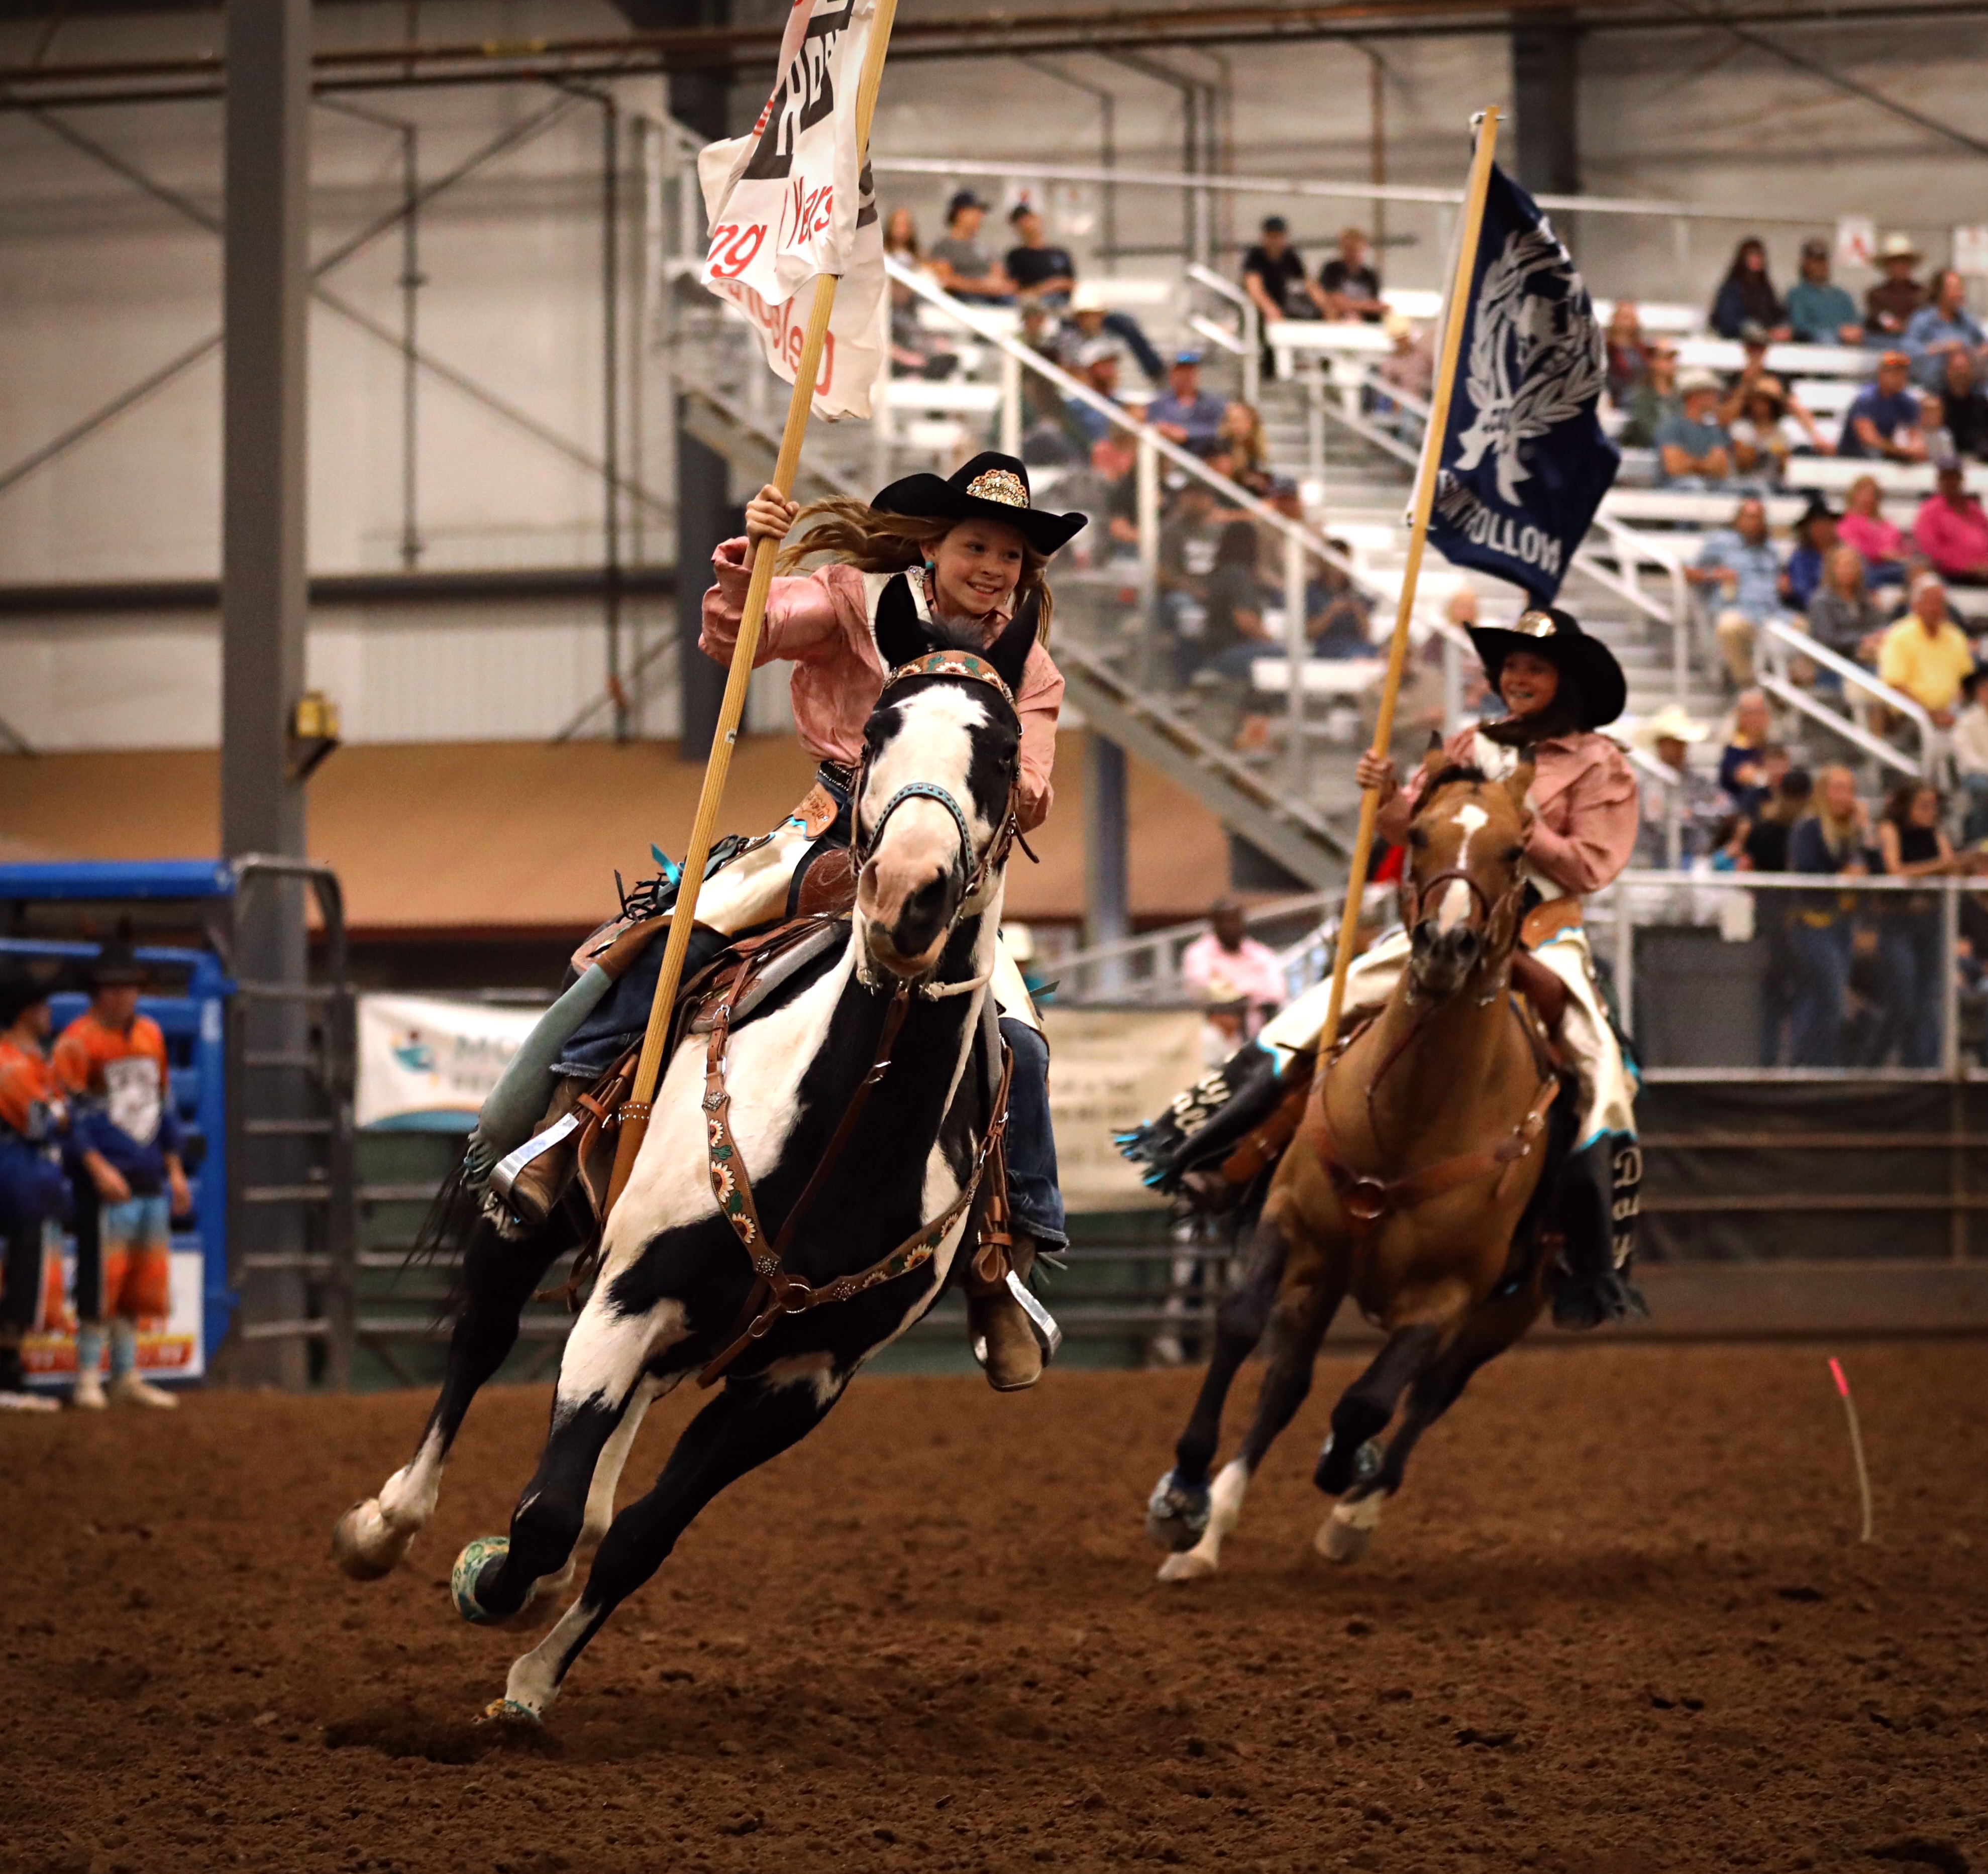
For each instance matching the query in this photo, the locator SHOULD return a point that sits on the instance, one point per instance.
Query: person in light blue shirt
(1820, 311)
(1944, 325)
(1183, 413)
(1740, 562)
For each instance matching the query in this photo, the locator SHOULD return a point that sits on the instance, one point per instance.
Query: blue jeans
(1822, 978)
(1033, 1196)
(1909, 950)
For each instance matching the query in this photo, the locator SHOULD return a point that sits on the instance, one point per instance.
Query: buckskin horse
(1414, 1184)
(816, 1159)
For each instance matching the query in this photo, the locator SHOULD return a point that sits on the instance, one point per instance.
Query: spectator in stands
(1108, 489)
(1654, 399)
(126, 1175)
(1761, 447)
(1242, 437)
(1820, 313)
(1743, 766)
(1746, 294)
(1842, 616)
(1971, 756)
(1885, 417)
(1350, 286)
(1097, 365)
(1700, 803)
(1628, 354)
(1188, 538)
(1091, 319)
(1764, 847)
(1944, 325)
(1963, 410)
(32, 1193)
(1830, 842)
(1889, 306)
(1183, 413)
(1410, 367)
(1912, 844)
(1239, 978)
(1693, 450)
(1926, 654)
(926, 354)
(1038, 271)
(1753, 379)
(964, 268)
(1236, 632)
(1815, 540)
(1740, 561)
(1338, 616)
(1273, 275)
(1884, 547)
(1952, 531)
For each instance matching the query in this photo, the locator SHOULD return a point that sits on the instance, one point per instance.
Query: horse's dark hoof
(1338, 1471)
(1177, 1514)
(1601, 1301)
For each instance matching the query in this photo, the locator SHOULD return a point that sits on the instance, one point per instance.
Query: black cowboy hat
(1547, 632)
(992, 486)
(21, 986)
(115, 964)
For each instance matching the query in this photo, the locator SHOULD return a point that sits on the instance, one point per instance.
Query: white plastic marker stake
(1856, 1442)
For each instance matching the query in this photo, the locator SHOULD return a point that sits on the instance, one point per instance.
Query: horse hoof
(508, 1711)
(462, 1579)
(1347, 1533)
(1176, 1515)
(355, 1543)
(1187, 1567)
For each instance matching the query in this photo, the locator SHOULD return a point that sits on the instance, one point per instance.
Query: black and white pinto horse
(931, 810)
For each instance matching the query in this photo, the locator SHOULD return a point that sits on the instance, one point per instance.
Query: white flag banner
(427, 1064)
(791, 201)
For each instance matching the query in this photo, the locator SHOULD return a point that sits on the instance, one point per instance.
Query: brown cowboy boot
(1003, 1336)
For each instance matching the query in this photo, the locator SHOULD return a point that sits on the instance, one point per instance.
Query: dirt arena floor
(1619, 1621)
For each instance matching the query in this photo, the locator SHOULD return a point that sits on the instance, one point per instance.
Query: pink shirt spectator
(821, 622)
(1250, 973)
(1584, 801)
(1955, 539)
(1877, 540)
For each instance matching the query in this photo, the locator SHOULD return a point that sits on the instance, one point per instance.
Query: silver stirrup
(506, 1172)
(1043, 1323)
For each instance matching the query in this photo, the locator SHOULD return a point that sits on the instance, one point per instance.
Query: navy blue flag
(1524, 462)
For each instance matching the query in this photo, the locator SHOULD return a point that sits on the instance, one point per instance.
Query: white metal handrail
(1781, 637)
(1248, 345)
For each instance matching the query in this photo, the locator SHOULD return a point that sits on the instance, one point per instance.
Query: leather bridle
(974, 873)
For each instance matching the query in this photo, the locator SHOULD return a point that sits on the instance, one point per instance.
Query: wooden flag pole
(1426, 477)
(634, 1115)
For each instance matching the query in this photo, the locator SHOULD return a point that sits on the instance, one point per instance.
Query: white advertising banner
(1109, 1070)
(1970, 251)
(790, 201)
(1856, 241)
(427, 1063)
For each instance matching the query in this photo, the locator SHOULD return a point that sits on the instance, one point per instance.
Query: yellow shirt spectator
(1927, 665)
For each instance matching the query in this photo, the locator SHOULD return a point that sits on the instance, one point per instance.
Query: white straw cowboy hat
(1669, 724)
(1899, 246)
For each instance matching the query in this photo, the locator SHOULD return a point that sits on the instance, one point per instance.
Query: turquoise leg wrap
(89, 1350)
(123, 1347)
(519, 1101)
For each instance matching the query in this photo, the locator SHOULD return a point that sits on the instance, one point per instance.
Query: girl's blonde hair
(859, 535)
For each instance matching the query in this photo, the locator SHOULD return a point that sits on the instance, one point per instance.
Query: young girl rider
(1559, 687)
(963, 553)
(949, 561)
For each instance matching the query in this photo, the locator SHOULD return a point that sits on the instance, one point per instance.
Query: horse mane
(1456, 772)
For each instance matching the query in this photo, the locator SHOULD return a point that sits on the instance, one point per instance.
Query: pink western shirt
(820, 621)
(1584, 804)
(1955, 539)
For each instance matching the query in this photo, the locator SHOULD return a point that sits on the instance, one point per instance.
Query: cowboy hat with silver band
(1557, 636)
(992, 487)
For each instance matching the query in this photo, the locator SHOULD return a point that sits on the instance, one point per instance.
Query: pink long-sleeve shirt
(820, 622)
(1585, 808)
(1955, 539)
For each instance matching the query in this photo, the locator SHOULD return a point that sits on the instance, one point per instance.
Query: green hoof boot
(462, 1578)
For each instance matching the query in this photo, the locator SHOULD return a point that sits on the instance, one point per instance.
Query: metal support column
(699, 100)
(611, 402)
(1546, 95)
(1107, 890)
(263, 593)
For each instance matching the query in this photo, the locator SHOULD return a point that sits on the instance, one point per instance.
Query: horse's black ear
(900, 633)
(1009, 652)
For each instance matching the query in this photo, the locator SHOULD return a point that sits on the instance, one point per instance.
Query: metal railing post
(1296, 646)
(1949, 958)
(1011, 404)
(1253, 354)
(1147, 472)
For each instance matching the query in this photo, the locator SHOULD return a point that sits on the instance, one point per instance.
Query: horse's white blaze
(1454, 908)
(934, 745)
(1224, 1510)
